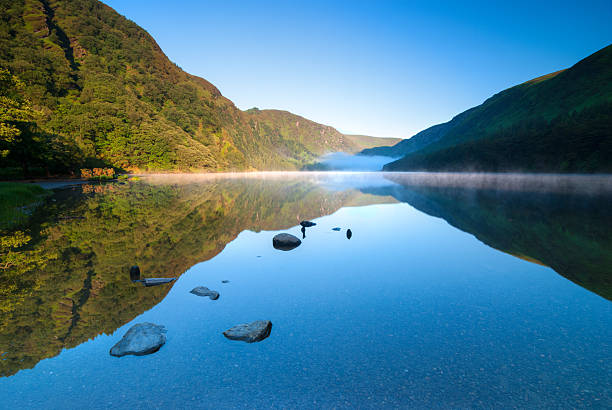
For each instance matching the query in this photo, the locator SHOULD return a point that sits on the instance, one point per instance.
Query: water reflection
(560, 221)
(69, 277)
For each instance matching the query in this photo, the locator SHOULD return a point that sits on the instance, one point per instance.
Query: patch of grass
(16, 201)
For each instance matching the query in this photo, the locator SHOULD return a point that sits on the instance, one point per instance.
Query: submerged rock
(204, 291)
(307, 224)
(141, 339)
(335, 229)
(285, 242)
(225, 281)
(349, 234)
(250, 332)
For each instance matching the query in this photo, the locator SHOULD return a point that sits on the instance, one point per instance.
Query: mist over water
(341, 161)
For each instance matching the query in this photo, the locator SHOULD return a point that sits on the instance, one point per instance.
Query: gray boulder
(141, 339)
(250, 332)
(285, 242)
(204, 291)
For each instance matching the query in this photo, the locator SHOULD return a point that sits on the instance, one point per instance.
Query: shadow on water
(563, 222)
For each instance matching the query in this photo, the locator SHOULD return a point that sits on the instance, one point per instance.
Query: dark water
(452, 292)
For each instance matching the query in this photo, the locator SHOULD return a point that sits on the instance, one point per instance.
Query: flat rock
(335, 229)
(141, 339)
(307, 224)
(250, 332)
(285, 242)
(156, 281)
(204, 291)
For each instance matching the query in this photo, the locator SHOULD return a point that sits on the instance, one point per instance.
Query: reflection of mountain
(72, 282)
(569, 232)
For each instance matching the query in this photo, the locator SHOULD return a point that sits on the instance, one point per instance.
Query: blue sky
(383, 68)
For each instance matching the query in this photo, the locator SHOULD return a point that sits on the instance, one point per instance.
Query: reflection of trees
(569, 232)
(67, 275)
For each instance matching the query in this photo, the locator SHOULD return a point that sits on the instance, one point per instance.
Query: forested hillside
(83, 86)
(555, 123)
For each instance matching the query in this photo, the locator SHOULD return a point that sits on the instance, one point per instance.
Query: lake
(453, 291)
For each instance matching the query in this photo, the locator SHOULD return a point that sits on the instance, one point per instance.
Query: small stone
(250, 332)
(336, 229)
(285, 242)
(307, 224)
(225, 281)
(204, 291)
(141, 339)
(349, 234)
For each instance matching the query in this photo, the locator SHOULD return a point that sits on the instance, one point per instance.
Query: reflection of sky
(409, 312)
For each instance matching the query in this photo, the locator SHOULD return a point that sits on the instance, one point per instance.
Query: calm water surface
(454, 291)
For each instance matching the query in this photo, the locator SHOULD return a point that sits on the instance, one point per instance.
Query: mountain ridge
(103, 93)
(558, 122)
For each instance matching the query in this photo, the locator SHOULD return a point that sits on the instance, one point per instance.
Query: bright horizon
(387, 70)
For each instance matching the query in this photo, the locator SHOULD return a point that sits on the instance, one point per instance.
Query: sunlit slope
(106, 94)
(555, 123)
(363, 142)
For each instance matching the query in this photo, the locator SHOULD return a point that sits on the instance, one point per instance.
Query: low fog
(340, 161)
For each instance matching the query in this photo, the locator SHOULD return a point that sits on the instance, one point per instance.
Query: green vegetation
(362, 142)
(17, 201)
(555, 123)
(83, 87)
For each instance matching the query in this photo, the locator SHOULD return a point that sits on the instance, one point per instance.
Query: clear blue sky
(384, 68)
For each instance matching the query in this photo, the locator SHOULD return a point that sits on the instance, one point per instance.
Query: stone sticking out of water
(225, 281)
(307, 224)
(335, 229)
(141, 339)
(204, 291)
(156, 281)
(285, 242)
(349, 234)
(135, 273)
(250, 332)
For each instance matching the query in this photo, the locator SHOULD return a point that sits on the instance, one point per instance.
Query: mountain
(92, 88)
(364, 142)
(559, 122)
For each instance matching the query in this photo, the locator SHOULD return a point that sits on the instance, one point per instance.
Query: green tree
(18, 138)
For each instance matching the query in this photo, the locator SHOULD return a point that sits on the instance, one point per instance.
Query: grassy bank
(16, 200)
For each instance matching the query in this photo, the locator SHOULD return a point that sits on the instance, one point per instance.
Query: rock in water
(335, 229)
(307, 224)
(250, 332)
(134, 273)
(225, 281)
(204, 291)
(155, 281)
(285, 242)
(141, 339)
(349, 234)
